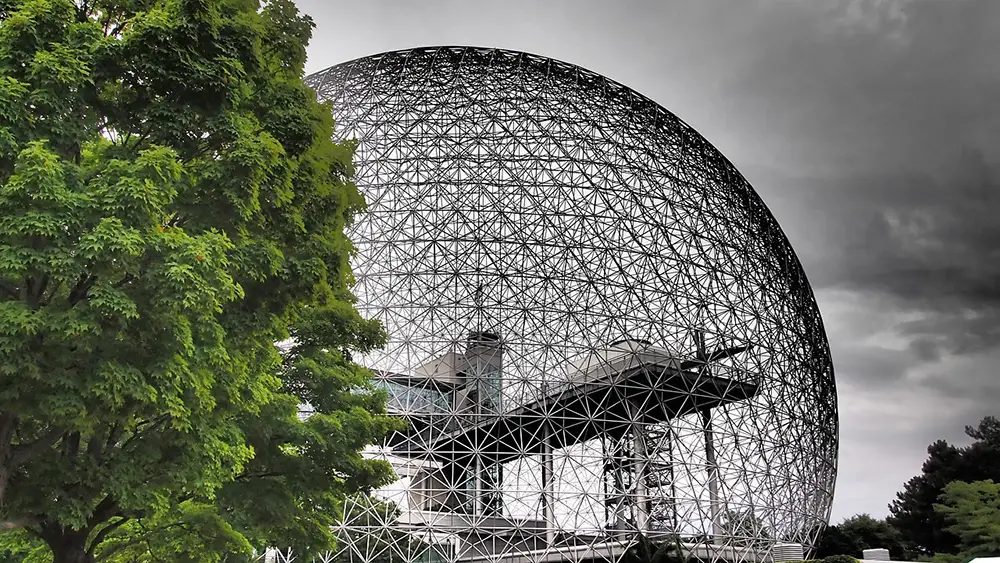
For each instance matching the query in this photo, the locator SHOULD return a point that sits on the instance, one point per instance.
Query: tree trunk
(4, 476)
(68, 546)
(7, 423)
(75, 556)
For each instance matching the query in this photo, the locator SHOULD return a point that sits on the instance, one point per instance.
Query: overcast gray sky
(871, 128)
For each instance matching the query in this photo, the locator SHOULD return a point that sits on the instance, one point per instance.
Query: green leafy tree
(925, 530)
(858, 533)
(973, 510)
(646, 550)
(190, 532)
(18, 546)
(171, 205)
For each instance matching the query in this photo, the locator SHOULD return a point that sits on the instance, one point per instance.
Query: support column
(713, 475)
(479, 488)
(639, 475)
(548, 487)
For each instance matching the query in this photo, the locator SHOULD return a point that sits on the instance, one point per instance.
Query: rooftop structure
(596, 328)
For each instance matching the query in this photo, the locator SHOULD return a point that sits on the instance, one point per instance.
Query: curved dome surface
(596, 327)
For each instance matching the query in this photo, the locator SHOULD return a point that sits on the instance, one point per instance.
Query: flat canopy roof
(645, 388)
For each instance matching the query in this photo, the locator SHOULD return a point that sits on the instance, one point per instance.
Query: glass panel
(417, 400)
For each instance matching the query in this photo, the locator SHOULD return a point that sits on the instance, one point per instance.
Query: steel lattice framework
(597, 329)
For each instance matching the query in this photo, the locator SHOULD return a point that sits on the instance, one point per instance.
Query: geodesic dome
(596, 328)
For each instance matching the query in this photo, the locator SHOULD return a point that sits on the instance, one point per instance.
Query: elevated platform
(605, 397)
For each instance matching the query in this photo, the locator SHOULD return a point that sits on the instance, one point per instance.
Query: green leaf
(171, 205)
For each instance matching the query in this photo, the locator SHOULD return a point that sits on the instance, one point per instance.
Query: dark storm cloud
(920, 243)
(890, 192)
(905, 104)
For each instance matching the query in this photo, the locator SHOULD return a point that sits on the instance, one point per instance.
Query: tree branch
(103, 534)
(39, 292)
(243, 477)
(26, 452)
(71, 444)
(105, 510)
(8, 421)
(83, 12)
(13, 294)
(8, 424)
(117, 30)
(19, 523)
(138, 539)
(126, 279)
(52, 292)
(79, 291)
(175, 221)
(153, 425)
(114, 436)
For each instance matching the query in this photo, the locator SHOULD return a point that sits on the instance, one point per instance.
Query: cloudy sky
(871, 128)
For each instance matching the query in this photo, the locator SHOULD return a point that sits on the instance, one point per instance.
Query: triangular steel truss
(596, 328)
